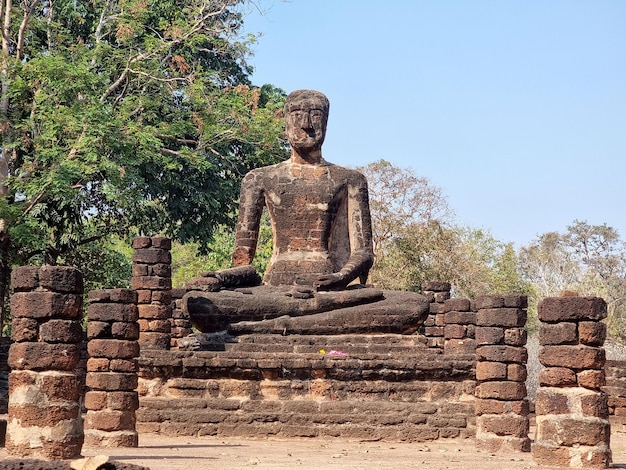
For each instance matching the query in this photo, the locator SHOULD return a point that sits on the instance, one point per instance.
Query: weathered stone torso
(308, 208)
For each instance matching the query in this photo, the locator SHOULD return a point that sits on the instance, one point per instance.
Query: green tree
(472, 260)
(189, 262)
(416, 239)
(588, 259)
(400, 199)
(125, 115)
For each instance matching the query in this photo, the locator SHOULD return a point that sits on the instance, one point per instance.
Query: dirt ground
(190, 453)
(171, 453)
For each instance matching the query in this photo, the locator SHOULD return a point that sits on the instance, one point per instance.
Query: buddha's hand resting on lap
(330, 281)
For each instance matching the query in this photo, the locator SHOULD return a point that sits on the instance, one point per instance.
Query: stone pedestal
(573, 428)
(501, 356)
(44, 414)
(152, 279)
(365, 387)
(112, 368)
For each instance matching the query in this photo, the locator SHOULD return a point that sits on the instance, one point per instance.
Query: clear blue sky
(516, 109)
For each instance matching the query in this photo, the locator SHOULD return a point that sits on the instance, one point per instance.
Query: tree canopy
(122, 115)
(416, 239)
(588, 259)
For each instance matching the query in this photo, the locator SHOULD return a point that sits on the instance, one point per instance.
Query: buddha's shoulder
(345, 173)
(267, 171)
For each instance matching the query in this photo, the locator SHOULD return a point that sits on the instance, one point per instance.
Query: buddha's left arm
(360, 231)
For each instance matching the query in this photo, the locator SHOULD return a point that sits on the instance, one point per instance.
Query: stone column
(573, 428)
(44, 390)
(501, 356)
(434, 324)
(112, 369)
(459, 327)
(152, 279)
(181, 325)
(5, 344)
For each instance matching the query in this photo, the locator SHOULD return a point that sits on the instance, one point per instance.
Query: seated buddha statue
(315, 282)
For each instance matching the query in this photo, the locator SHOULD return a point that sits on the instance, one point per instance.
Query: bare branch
(36, 200)
(104, 19)
(115, 85)
(27, 7)
(1, 15)
(165, 80)
(174, 153)
(6, 28)
(49, 23)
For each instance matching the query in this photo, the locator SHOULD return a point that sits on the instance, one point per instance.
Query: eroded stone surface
(322, 232)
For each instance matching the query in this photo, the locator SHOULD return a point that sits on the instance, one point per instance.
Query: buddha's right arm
(251, 203)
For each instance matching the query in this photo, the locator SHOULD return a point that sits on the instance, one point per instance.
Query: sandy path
(160, 453)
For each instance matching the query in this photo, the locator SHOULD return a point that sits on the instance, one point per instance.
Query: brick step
(331, 388)
(306, 418)
(336, 340)
(354, 345)
(168, 408)
(331, 348)
(299, 343)
(258, 365)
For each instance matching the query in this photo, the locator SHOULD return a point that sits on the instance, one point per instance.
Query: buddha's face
(306, 125)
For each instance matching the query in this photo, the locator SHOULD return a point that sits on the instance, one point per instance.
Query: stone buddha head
(306, 116)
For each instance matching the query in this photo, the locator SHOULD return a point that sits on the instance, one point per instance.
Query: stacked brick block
(501, 356)
(5, 343)
(4, 386)
(433, 328)
(181, 325)
(459, 329)
(44, 414)
(615, 388)
(112, 368)
(573, 428)
(152, 279)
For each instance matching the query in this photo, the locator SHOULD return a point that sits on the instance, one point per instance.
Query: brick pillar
(181, 325)
(152, 279)
(4, 386)
(44, 390)
(112, 368)
(573, 428)
(501, 356)
(459, 327)
(433, 326)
